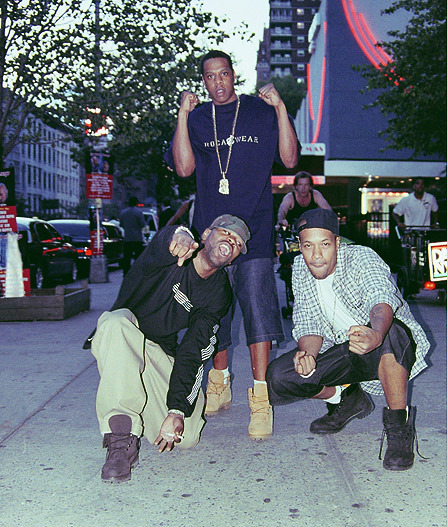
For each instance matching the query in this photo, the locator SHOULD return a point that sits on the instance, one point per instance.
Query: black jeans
(337, 366)
(131, 250)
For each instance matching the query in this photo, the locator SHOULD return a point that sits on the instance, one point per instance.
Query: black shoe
(400, 434)
(354, 404)
(122, 450)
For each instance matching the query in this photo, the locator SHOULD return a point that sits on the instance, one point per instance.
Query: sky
(256, 14)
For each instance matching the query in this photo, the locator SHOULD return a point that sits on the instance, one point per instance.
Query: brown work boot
(218, 393)
(122, 449)
(261, 413)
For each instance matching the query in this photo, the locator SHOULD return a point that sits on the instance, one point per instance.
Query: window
(300, 12)
(300, 25)
(301, 53)
(300, 67)
(300, 38)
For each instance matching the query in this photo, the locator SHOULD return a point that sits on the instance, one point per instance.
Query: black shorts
(337, 366)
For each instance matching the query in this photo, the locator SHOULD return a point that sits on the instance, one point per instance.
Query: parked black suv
(47, 254)
(79, 233)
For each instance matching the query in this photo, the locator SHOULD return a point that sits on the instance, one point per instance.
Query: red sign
(96, 242)
(26, 281)
(8, 216)
(99, 186)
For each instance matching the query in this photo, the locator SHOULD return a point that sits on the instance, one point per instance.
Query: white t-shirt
(417, 211)
(333, 309)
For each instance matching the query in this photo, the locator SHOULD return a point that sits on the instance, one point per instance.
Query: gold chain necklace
(323, 308)
(224, 187)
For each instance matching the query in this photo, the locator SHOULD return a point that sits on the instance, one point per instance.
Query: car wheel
(38, 278)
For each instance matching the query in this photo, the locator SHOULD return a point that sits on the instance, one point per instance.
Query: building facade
(47, 180)
(284, 49)
(359, 169)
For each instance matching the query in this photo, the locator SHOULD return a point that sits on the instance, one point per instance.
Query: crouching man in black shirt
(150, 384)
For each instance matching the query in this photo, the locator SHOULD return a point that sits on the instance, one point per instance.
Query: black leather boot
(354, 404)
(122, 450)
(400, 433)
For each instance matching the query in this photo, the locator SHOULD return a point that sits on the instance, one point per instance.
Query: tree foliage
(291, 92)
(133, 65)
(38, 43)
(413, 85)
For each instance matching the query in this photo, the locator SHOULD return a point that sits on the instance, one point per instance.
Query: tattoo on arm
(381, 317)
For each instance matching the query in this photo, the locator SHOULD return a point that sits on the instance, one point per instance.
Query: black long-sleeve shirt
(166, 299)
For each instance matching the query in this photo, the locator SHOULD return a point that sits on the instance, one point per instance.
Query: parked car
(79, 233)
(48, 255)
(151, 227)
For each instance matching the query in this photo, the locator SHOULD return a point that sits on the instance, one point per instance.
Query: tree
(291, 92)
(413, 85)
(132, 65)
(148, 54)
(37, 47)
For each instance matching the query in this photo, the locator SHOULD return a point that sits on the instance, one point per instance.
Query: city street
(51, 450)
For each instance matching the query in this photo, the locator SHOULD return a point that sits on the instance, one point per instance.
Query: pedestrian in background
(231, 142)
(132, 221)
(419, 208)
(303, 197)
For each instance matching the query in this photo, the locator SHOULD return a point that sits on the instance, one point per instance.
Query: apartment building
(47, 180)
(284, 49)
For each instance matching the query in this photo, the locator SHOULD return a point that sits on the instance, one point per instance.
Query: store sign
(313, 149)
(437, 258)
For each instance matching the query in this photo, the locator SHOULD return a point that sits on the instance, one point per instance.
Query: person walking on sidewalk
(231, 142)
(132, 221)
(351, 325)
(148, 383)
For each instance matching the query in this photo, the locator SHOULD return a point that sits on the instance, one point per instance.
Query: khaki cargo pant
(135, 375)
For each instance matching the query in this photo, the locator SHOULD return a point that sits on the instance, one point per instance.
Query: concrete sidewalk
(51, 452)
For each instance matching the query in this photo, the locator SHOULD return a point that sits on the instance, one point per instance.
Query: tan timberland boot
(261, 417)
(218, 394)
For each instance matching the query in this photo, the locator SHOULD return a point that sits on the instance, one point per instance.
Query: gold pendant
(224, 187)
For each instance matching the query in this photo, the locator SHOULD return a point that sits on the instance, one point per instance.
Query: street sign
(99, 186)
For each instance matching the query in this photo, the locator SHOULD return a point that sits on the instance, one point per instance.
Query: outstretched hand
(183, 246)
(363, 339)
(170, 432)
(269, 94)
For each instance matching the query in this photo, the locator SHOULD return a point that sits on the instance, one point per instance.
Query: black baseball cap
(233, 224)
(319, 219)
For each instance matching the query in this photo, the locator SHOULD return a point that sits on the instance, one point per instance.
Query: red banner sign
(96, 242)
(8, 222)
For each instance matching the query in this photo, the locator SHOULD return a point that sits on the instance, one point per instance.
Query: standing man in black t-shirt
(231, 143)
(149, 382)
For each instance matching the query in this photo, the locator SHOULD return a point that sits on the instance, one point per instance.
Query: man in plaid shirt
(352, 326)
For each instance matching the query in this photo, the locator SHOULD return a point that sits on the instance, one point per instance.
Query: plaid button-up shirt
(361, 281)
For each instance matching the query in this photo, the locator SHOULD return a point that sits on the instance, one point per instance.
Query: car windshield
(45, 232)
(74, 229)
